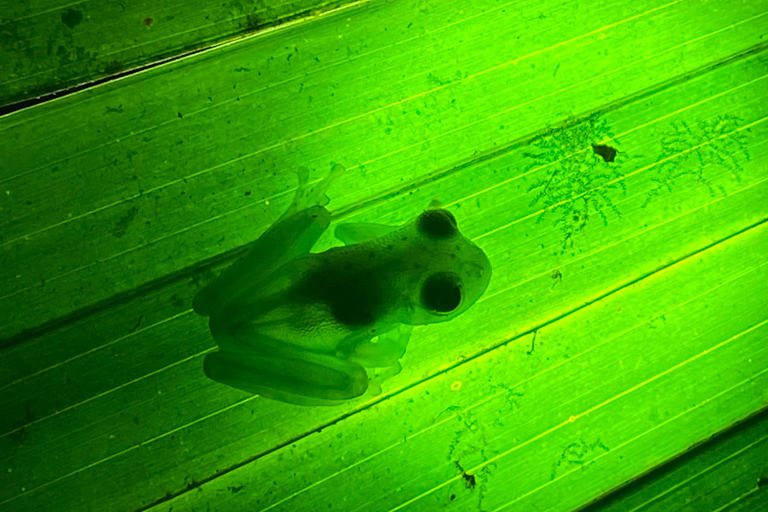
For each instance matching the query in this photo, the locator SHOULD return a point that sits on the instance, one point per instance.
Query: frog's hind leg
(285, 240)
(312, 379)
(293, 235)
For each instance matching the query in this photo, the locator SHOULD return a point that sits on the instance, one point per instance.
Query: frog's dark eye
(437, 224)
(441, 292)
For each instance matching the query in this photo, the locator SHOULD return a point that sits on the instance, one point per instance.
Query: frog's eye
(441, 292)
(437, 224)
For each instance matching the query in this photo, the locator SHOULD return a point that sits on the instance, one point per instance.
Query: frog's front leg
(383, 355)
(304, 378)
(389, 347)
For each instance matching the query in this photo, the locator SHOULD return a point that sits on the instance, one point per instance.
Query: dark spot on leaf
(252, 23)
(71, 17)
(113, 67)
(607, 152)
(138, 323)
(121, 227)
(148, 21)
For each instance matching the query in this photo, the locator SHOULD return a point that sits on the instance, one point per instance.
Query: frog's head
(453, 271)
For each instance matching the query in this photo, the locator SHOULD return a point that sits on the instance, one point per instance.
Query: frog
(324, 328)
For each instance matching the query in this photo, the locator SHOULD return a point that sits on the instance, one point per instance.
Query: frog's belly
(309, 326)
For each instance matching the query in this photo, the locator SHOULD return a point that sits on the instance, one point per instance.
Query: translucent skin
(298, 327)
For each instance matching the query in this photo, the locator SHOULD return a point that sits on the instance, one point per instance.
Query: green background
(626, 323)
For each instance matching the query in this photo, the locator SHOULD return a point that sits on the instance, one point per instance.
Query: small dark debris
(607, 152)
(148, 21)
(557, 277)
(469, 480)
(234, 489)
(533, 344)
(122, 225)
(138, 323)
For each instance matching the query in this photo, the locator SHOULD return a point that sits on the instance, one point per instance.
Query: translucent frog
(302, 327)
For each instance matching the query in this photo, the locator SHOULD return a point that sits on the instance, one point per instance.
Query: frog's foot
(318, 194)
(305, 197)
(378, 375)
